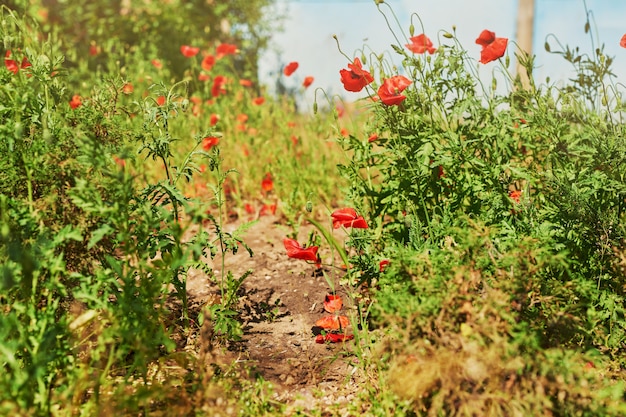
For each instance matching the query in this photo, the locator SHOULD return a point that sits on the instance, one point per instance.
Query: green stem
(331, 241)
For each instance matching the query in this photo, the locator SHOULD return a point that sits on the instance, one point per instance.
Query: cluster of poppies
(333, 326)
(208, 61)
(355, 78)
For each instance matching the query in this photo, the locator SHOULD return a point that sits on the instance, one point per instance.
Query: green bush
(501, 213)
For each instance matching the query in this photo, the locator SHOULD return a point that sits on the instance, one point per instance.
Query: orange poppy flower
(347, 217)
(258, 101)
(160, 100)
(333, 322)
(290, 68)
(245, 83)
(332, 303)
(383, 264)
(373, 137)
(493, 47)
(391, 89)
(213, 119)
(207, 63)
(156, 63)
(267, 209)
(189, 51)
(267, 184)
(242, 117)
(622, 41)
(76, 101)
(12, 65)
(209, 142)
(355, 78)
(128, 88)
(420, 44)
(515, 195)
(225, 49)
(307, 81)
(219, 86)
(333, 338)
(295, 251)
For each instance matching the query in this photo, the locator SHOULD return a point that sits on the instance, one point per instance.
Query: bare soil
(280, 302)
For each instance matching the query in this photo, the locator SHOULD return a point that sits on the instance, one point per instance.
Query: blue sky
(310, 26)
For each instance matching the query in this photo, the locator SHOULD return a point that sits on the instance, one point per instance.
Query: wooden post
(525, 23)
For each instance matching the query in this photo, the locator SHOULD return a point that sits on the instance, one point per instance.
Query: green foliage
(502, 216)
(94, 246)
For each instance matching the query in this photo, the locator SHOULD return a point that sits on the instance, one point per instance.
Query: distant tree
(159, 28)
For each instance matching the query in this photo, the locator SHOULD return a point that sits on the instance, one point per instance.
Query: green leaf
(98, 234)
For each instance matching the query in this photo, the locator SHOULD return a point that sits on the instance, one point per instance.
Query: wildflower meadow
(175, 240)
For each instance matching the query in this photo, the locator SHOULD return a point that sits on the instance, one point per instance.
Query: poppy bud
(315, 107)
(309, 206)
(412, 30)
(448, 35)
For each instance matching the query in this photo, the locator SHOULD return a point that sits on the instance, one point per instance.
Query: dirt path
(281, 301)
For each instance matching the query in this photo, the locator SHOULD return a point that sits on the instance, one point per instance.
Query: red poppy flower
(120, 162)
(160, 100)
(373, 137)
(267, 184)
(258, 101)
(355, 78)
(207, 63)
(189, 51)
(267, 209)
(209, 142)
(332, 303)
(344, 132)
(420, 44)
(290, 68)
(333, 338)
(333, 322)
(128, 88)
(307, 81)
(225, 49)
(214, 119)
(245, 83)
(622, 41)
(347, 217)
(515, 195)
(94, 49)
(76, 101)
(219, 86)
(493, 47)
(156, 63)
(12, 65)
(242, 117)
(383, 264)
(294, 250)
(203, 76)
(389, 91)
(249, 208)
